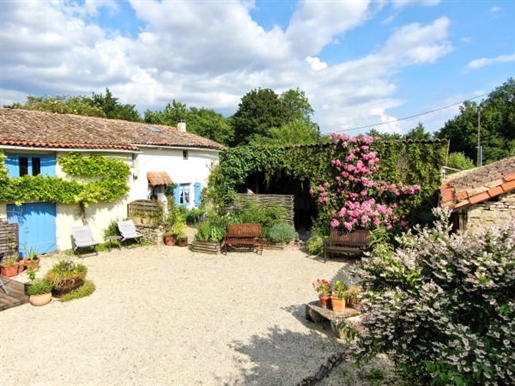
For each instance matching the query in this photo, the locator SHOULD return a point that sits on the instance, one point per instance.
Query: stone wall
(490, 213)
(151, 233)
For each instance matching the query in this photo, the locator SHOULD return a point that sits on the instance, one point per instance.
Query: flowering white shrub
(442, 305)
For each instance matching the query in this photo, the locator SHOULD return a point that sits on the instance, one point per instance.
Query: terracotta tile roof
(159, 178)
(473, 186)
(48, 130)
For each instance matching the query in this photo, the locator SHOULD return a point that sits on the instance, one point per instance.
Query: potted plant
(323, 288)
(40, 292)
(65, 276)
(175, 227)
(182, 239)
(9, 265)
(32, 259)
(208, 237)
(339, 296)
(352, 298)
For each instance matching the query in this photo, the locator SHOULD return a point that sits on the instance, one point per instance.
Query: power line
(411, 116)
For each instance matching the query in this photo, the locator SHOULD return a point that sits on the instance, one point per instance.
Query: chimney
(181, 126)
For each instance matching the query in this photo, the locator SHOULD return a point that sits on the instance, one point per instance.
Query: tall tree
(112, 108)
(491, 123)
(384, 136)
(204, 122)
(78, 105)
(259, 111)
(418, 133)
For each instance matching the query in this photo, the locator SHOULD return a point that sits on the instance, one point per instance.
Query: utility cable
(411, 116)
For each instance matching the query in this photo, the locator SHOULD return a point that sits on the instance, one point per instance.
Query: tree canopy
(491, 122)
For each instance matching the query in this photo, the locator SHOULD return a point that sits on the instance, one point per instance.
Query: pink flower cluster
(359, 198)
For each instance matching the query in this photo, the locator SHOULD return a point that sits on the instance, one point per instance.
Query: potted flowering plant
(339, 296)
(323, 287)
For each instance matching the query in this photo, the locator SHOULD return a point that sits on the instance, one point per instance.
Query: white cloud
(210, 54)
(478, 63)
(316, 64)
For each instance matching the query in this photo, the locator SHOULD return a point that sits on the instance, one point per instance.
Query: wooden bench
(343, 242)
(244, 235)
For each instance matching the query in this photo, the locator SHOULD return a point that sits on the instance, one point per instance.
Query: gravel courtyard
(167, 316)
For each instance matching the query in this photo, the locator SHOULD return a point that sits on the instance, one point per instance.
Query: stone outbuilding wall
(498, 212)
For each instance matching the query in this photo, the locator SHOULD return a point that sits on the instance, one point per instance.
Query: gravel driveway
(167, 316)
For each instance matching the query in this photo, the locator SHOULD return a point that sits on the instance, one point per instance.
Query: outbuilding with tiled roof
(481, 196)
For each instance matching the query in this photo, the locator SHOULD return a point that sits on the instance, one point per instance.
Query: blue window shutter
(12, 165)
(198, 191)
(48, 165)
(176, 194)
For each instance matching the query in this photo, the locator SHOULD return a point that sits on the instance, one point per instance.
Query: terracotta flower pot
(169, 240)
(41, 299)
(338, 304)
(10, 271)
(325, 301)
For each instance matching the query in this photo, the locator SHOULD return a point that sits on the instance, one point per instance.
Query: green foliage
(39, 287)
(78, 105)
(495, 119)
(97, 106)
(259, 111)
(315, 245)
(112, 229)
(280, 232)
(212, 230)
(112, 109)
(248, 211)
(65, 270)
(459, 161)
(411, 163)
(204, 122)
(441, 305)
(192, 215)
(340, 290)
(84, 290)
(103, 180)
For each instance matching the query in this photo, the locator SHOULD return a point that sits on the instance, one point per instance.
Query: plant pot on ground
(32, 259)
(40, 292)
(65, 276)
(10, 266)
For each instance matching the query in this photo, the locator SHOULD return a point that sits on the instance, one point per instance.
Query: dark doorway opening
(305, 210)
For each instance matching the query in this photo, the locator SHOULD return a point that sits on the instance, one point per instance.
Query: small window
(24, 166)
(185, 154)
(36, 166)
(182, 194)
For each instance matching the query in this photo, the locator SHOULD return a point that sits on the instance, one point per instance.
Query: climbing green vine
(96, 179)
(410, 162)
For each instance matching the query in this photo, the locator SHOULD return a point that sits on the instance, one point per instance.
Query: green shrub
(38, 287)
(441, 305)
(280, 232)
(315, 245)
(213, 230)
(84, 290)
(193, 216)
(112, 229)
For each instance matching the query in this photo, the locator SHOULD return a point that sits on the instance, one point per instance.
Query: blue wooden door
(37, 226)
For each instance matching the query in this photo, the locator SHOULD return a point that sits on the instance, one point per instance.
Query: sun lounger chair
(128, 231)
(82, 238)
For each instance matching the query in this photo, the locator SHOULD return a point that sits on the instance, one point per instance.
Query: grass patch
(85, 290)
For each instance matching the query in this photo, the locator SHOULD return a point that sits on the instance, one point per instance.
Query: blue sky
(360, 63)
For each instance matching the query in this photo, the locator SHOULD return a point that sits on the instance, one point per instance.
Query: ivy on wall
(96, 179)
(410, 162)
